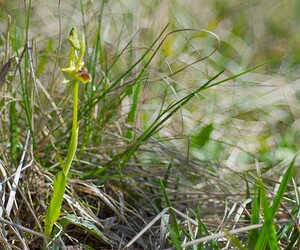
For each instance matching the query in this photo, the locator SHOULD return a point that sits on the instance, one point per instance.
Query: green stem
(74, 135)
(53, 210)
(60, 180)
(75, 106)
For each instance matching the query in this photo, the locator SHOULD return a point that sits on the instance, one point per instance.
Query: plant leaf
(83, 223)
(203, 136)
(53, 210)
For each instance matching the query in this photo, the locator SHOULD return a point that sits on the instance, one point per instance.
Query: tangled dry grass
(208, 154)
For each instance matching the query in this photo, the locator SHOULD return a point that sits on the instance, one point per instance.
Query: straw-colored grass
(188, 130)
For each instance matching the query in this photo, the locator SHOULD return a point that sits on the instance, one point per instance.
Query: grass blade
(268, 230)
(255, 218)
(285, 180)
(175, 231)
(132, 112)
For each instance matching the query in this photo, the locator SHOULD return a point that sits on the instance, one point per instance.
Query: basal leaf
(53, 210)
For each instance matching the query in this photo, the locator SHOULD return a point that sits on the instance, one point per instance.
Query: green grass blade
(268, 229)
(25, 92)
(202, 232)
(126, 73)
(165, 115)
(236, 242)
(175, 240)
(200, 229)
(168, 204)
(13, 132)
(132, 112)
(255, 218)
(293, 239)
(285, 180)
(162, 118)
(98, 44)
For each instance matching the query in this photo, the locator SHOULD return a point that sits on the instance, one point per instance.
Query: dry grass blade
(92, 189)
(239, 211)
(145, 117)
(164, 230)
(161, 217)
(15, 183)
(238, 215)
(222, 234)
(56, 109)
(3, 172)
(22, 228)
(147, 227)
(5, 69)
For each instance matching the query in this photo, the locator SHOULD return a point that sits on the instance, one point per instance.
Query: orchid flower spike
(75, 69)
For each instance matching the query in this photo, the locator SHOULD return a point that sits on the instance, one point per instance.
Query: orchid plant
(75, 74)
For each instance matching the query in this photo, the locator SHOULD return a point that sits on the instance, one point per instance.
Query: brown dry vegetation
(208, 154)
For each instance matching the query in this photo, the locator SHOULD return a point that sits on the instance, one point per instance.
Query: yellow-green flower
(79, 73)
(76, 72)
(83, 76)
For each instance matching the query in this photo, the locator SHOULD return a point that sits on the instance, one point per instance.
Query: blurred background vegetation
(247, 123)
